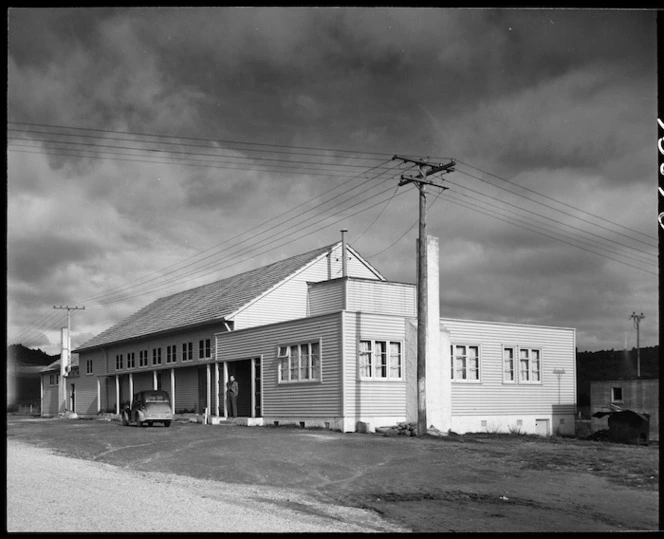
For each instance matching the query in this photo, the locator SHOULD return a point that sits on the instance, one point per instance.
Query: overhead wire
(406, 232)
(560, 223)
(492, 215)
(299, 215)
(296, 167)
(557, 209)
(253, 248)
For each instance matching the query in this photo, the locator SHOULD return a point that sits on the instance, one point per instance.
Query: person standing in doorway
(232, 390)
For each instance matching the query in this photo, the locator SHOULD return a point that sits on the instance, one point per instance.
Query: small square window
(616, 394)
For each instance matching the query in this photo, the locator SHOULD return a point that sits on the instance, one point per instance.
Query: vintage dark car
(148, 408)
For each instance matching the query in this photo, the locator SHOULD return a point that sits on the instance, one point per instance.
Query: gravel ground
(52, 493)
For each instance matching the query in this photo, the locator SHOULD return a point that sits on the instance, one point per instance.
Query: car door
(136, 405)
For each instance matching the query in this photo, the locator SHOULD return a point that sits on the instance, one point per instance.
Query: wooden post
(422, 325)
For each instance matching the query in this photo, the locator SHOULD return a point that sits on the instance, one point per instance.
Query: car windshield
(156, 397)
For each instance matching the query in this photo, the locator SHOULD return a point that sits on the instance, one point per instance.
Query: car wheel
(125, 419)
(139, 423)
(167, 423)
(150, 423)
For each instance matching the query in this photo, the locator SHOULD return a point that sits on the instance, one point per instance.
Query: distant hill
(26, 357)
(612, 365)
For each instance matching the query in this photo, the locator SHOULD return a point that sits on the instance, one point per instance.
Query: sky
(152, 150)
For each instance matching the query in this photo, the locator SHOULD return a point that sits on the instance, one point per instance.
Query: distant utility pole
(426, 169)
(637, 320)
(65, 355)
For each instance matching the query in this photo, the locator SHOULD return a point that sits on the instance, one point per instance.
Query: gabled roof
(55, 366)
(207, 303)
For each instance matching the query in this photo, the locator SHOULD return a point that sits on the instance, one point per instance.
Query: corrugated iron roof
(206, 303)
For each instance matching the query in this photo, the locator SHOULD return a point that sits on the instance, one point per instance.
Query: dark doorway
(73, 398)
(242, 372)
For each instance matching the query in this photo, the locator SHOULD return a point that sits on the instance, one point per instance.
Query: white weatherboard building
(314, 341)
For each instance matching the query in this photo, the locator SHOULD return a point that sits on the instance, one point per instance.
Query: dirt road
(51, 493)
(469, 483)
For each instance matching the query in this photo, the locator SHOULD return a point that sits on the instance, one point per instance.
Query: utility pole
(65, 356)
(426, 169)
(637, 320)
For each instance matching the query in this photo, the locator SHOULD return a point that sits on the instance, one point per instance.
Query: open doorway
(72, 398)
(241, 370)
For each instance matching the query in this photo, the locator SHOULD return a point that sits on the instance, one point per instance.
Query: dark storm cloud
(559, 101)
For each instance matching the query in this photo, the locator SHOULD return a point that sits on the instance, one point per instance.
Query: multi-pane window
(170, 353)
(204, 349)
(118, 362)
(187, 351)
(88, 366)
(366, 359)
(380, 360)
(465, 363)
(53, 379)
(299, 362)
(143, 358)
(509, 374)
(395, 360)
(529, 365)
(131, 360)
(156, 356)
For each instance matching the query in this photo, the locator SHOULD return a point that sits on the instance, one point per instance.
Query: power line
(384, 155)
(406, 232)
(174, 161)
(556, 222)
(272, 229)
(261, 244)
(474, 208)
(273, 247)
(189, 145)
(553, 200)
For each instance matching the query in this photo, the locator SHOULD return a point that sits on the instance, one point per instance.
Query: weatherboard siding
(86, 384)
(86, 394)
(381, 297)
(299, 399)
(50, 397)
(326, 297)
(289, 300)
(372, 398)
(492, 396)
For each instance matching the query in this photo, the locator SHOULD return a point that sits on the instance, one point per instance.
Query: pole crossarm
(426, 169)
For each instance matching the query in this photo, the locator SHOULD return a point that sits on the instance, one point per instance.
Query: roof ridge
(255, 277)
(238, 275)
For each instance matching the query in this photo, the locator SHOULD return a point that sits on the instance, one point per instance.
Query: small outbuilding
(629, 427)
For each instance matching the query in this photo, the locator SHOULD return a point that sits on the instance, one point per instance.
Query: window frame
(156, 355)
(204, 349)
(530, 350)
(143, 358)
(171, 353)
(285, 365)
(377, 358)
(515, 371)
(187, 351)
(52, 377)
(453, 357)
(131, 360)
(89, 366)
(119, 363)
